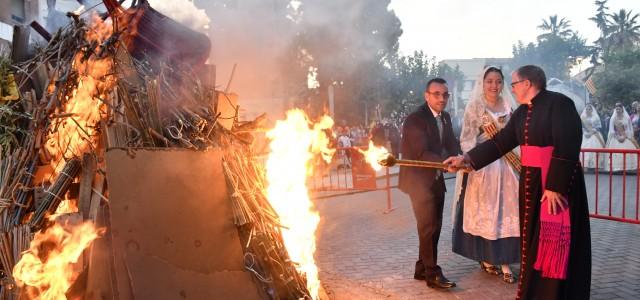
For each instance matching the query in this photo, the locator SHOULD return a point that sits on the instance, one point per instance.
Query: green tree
(558, 48)
(601, 21)
(554, 28)
(616, 56)
(619, 79)
(409, 75)
(352, 44)
(618, 31)
(623, 30)
(601, 16)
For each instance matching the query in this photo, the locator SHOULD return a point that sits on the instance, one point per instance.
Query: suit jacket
(421, 141)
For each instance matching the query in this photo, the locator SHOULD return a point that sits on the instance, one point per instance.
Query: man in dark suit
(427, 134)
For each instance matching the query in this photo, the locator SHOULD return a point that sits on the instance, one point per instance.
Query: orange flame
(46, 270)
(293, 144)
(66, 206)
(374, 154)
(76, 133)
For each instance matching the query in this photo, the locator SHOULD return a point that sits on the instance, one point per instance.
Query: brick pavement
(365, 254)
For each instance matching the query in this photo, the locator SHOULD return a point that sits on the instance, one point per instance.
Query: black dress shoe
(440, 282)
(419, 276)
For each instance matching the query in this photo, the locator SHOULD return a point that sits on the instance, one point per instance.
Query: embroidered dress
(621, 137)
(485, 209)
(592, 139)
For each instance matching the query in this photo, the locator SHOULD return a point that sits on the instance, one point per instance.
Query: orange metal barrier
(613, 184)
(348, 172)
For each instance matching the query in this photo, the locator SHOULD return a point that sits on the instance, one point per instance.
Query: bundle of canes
(55, 192)
(391, 161)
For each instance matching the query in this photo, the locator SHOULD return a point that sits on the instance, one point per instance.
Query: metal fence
(347, 173)
(613, 184)
(611, 177)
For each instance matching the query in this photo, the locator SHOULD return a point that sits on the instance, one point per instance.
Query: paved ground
(366, 254)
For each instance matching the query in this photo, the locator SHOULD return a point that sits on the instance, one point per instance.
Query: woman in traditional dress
(591, 138)
(635, 119)
(486, 222)
(621, 137)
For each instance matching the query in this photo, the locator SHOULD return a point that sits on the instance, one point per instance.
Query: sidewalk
(365, 254)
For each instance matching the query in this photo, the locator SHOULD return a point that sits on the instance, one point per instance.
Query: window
(17, 10)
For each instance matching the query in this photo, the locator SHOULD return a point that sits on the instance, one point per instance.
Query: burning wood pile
(101, 85)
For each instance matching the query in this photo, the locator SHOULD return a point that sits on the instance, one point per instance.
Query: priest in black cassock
(554, 217)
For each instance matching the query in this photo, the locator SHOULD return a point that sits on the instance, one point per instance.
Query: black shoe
(419, 276)
(440, 282)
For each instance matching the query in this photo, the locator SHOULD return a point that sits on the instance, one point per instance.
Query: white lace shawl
(624, 119)
(593, 120)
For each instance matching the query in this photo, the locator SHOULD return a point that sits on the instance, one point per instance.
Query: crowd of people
(618, 131)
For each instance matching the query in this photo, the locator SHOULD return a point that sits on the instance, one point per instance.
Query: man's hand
(557, 202)
(456, 163)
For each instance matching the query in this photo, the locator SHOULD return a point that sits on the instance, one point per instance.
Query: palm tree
(601, 17)
(555, 28)
(624, 29)
(603, 24)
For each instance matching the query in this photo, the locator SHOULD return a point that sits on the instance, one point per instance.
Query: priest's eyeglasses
(513, 84)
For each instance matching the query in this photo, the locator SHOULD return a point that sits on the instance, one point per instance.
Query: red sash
(555, 230)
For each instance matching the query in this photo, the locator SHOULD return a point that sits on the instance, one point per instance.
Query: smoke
(254, 34)
(275, 42)
(184, 12)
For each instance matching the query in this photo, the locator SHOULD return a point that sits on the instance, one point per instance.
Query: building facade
(18, 12)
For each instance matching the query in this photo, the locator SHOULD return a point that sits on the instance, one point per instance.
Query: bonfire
(103, 83)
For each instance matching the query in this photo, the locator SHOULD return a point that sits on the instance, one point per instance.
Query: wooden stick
(391, 161)
(96, 197)
(86, 182)
(233, 72)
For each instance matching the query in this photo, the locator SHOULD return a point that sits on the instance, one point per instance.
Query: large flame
(374, 154)
(75, 131)
(46, 270)
(293, 144)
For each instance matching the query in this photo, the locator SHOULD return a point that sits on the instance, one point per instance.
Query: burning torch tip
(388, 161)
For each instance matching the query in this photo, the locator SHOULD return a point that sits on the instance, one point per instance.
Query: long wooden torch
(391, 161)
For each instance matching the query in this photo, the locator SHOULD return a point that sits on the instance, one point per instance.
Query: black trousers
(428, 203)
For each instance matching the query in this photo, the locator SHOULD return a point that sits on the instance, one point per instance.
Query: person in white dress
(486, 217)
(621, 137)
(592, 138)
(344, 142)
